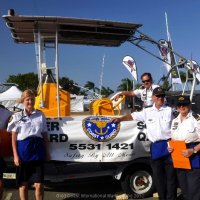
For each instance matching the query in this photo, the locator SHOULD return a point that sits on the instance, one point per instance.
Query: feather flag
(174, 73)
(164, 53)
(194, 67)
(168, 57)
(130, 65)
(169, 60)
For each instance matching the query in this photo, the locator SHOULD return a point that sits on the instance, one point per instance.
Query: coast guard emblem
(100, 129)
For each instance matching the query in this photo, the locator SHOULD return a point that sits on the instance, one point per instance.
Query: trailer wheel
(138, 184)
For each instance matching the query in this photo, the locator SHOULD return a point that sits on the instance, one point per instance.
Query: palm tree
(126, 85)
(165, 83)
(90, 86)
(105, 92)
(68, 85)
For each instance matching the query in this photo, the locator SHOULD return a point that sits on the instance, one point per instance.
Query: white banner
(77, 139)
(193, 65)
(168, 56)
(130, 65)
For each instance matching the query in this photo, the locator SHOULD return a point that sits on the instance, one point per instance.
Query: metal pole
(193, 86)
(133, 83)
(57, 73)
(40, 52)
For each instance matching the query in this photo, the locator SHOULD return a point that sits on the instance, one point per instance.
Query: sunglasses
(144, 81)
(160, 96)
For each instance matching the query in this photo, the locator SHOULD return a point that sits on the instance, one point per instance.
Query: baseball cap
(158, 91)
(183, 100)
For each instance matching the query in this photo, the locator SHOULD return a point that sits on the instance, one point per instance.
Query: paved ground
(99, 190)
(107, 190)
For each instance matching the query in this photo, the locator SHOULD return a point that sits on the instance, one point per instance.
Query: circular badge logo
(100, 129)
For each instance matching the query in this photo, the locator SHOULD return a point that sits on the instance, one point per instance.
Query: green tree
(189, 74)
(126, 85)
(69, 86)
(183, 76)
(29, 80)
(105, 92)
(91, 86)
(164, 82)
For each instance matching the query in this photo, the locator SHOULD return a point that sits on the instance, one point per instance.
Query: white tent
(9, 98)
(76, 103)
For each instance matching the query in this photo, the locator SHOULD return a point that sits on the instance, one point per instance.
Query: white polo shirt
(26, 126)
(188, 130)
(146, 94)
(158, 122)
(4, 117)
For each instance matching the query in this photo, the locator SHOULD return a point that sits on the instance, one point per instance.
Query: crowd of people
(31, 148)
(162, 126)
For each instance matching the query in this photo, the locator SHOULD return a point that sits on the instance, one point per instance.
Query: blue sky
(81, 63)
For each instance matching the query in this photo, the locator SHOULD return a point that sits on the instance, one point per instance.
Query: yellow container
(102, 107)
(50, 108)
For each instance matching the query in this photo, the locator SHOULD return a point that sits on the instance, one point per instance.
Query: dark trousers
(165, 178)
(189, 182)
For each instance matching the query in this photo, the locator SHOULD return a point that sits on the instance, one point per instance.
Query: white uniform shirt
(146, 94)
(158, 122)
(4, 116)
(188, 130)
(26, 126)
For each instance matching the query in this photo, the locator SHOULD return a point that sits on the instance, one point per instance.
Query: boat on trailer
(91, 144)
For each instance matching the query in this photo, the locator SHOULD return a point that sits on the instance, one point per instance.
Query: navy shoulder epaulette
(17, 110)
(196, 116)
(148, 106)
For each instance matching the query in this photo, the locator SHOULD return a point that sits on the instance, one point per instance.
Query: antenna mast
(101, 75)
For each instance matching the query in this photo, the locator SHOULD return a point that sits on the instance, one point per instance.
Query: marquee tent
(9, 98)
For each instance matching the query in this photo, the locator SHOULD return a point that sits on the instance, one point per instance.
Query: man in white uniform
(144, 93)
(158, 119)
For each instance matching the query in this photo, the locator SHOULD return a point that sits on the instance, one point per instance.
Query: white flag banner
(169, 60)
(164, 53)
(130, 65)
(96, 139)
(193, 65)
